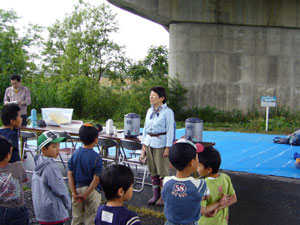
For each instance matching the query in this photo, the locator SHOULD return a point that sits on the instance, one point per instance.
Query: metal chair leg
(141, 182)
(62, 161)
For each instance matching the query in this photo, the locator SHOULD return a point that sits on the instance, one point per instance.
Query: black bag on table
(41, 123)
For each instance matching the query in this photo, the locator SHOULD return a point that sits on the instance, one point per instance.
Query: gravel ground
(145, 219)
(139, 200)
(29, 206)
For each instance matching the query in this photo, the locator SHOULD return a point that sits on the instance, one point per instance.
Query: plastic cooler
(57, 116)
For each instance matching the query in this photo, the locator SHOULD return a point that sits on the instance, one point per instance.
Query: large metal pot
(131, 125)
(193, 129)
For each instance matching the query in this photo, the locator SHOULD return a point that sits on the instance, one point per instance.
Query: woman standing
(158, 136)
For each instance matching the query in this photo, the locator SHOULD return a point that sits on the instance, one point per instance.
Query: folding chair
(135, 147)
(25, 135)
(103, 145)
(26, 147)
(67, 150)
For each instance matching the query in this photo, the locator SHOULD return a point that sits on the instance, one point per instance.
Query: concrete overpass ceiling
(140, 8)
(277, 13)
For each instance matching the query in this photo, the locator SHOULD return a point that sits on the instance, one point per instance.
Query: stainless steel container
(131, 125)
(193, 129)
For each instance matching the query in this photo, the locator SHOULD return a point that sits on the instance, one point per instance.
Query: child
(85, 167)
(12, 176)
(117, 182)
(11, 120)
(50, 196)
(218, 184)
(182, 193)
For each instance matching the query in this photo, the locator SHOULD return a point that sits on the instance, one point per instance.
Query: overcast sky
(136, 33)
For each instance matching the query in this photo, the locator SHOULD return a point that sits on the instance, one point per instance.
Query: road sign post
(267, 101)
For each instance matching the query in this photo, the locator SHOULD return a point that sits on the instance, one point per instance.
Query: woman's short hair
(161, 92)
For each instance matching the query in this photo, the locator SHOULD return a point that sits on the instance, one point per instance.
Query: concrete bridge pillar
(230, 53)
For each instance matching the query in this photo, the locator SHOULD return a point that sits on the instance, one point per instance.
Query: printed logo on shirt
(10, 189)
(107, 216)
(179, 190)
(220, 189)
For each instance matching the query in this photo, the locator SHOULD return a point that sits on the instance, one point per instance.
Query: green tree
(34, 46)
(13, 56)
(137, 71)
(81, 44)
(154, 65)
(73, 93)
(157, 60)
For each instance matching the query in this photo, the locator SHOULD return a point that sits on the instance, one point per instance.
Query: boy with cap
(218, 183)
(182, 193)
(50, 195)
(12, 176)
(85, 167)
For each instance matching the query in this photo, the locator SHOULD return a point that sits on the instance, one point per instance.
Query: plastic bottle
(33, 118)
(109, 126)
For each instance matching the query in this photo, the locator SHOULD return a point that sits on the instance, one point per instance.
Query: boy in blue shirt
(12, 121)
(85, 167)
(182, 193)
(117, 183)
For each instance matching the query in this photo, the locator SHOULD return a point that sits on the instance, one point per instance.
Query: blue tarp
(253, 153)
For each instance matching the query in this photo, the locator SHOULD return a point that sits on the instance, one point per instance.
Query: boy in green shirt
(219, 184)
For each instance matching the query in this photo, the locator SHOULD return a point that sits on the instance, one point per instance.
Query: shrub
(177, 98)
(43, 91)
(211, 115)
(74, 93)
